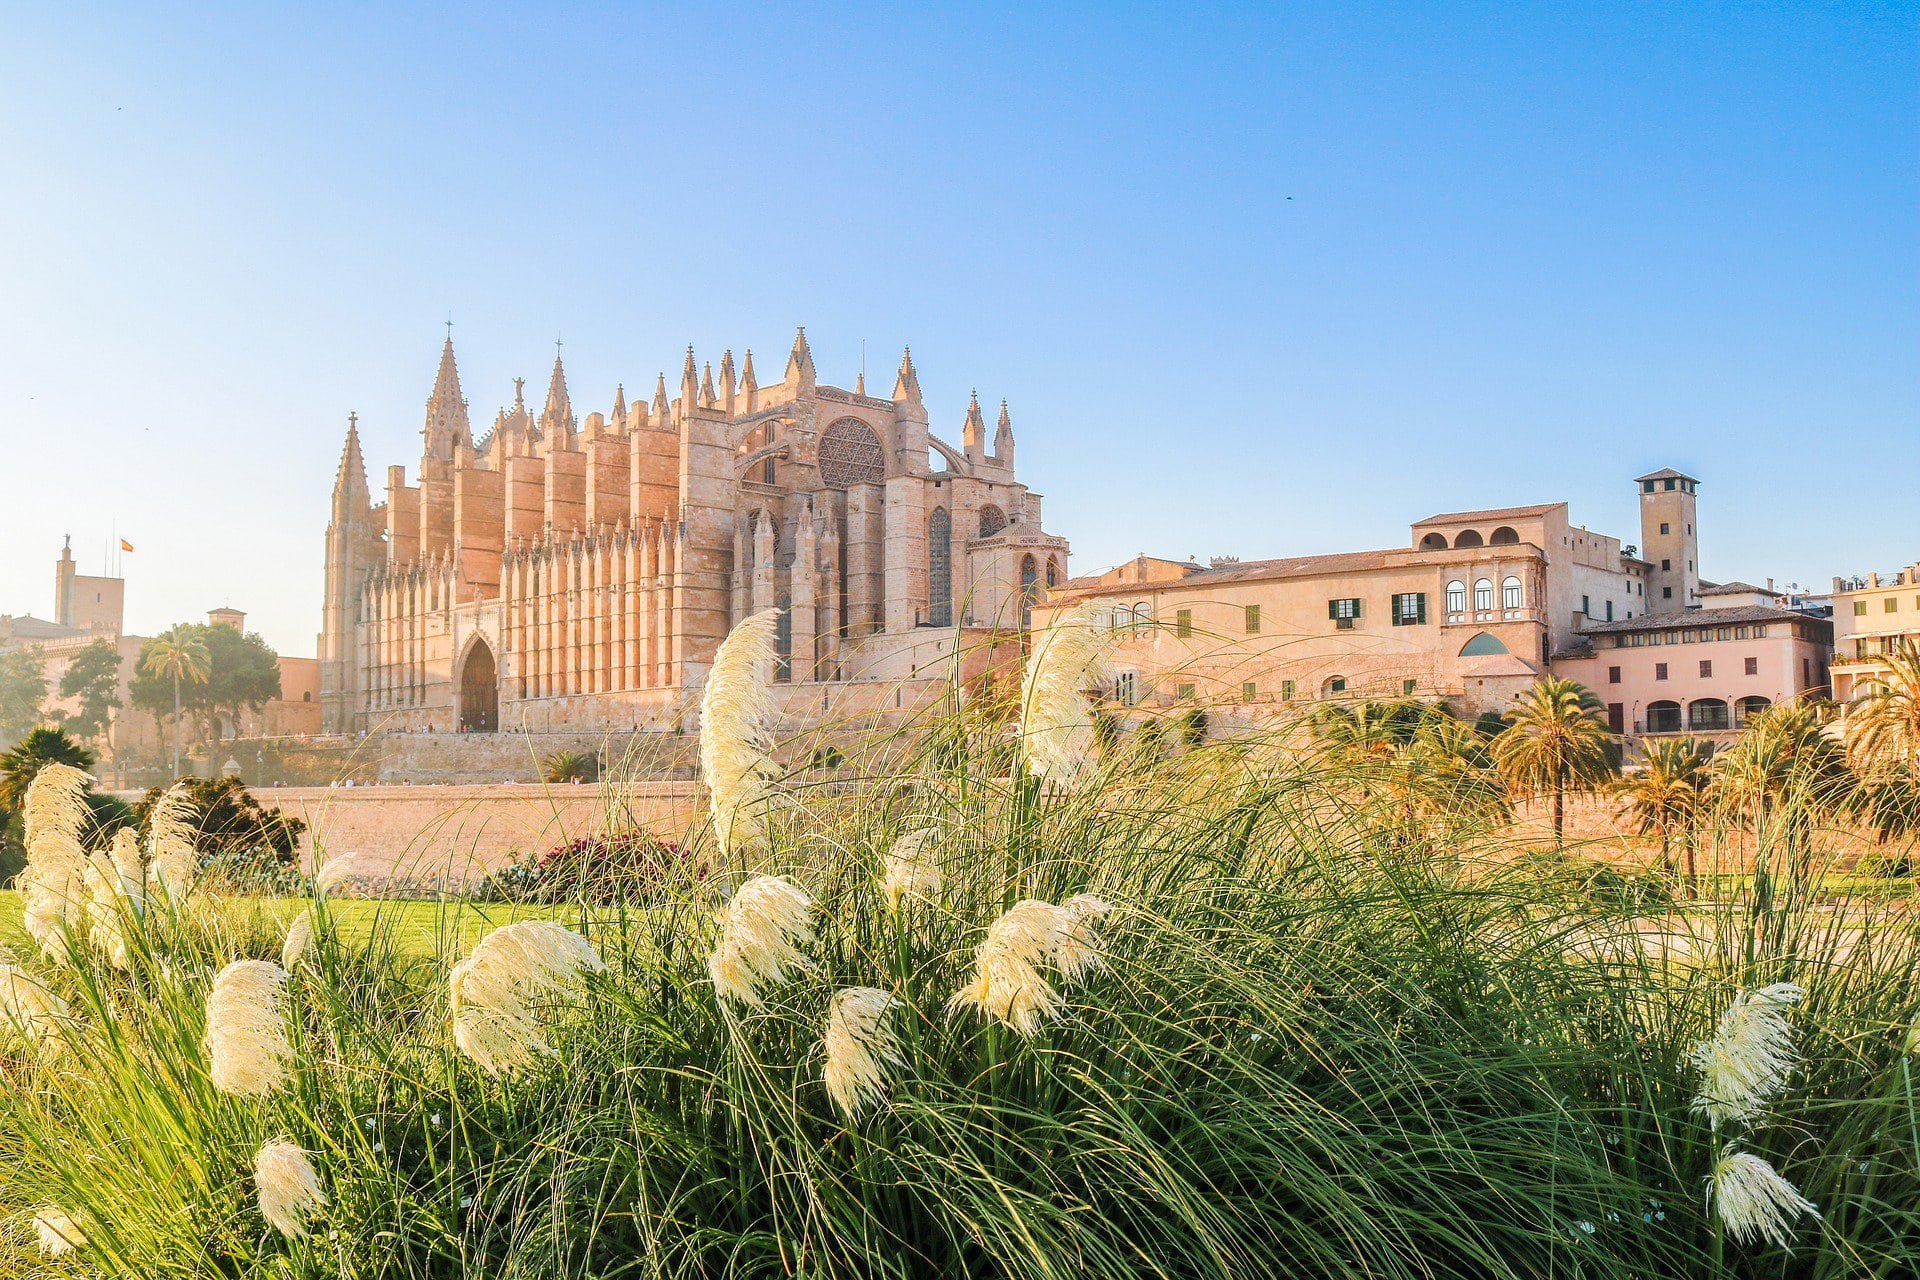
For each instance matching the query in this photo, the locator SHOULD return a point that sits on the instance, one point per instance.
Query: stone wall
(462, 832)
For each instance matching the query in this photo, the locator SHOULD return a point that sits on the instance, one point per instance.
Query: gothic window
(1029, 589)
(992, 520)
(1053, 573)
(783, 638)
(850, 454)
(940, 568)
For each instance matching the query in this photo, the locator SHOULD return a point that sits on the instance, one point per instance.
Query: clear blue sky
(1258, 281)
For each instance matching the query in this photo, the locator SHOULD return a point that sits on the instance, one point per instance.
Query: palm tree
(1786, 770)
(1666, 795)
(1446, 772)
(1883, 721)
(39, 748)
(570, 766)
(180, 654)
(1556, 742)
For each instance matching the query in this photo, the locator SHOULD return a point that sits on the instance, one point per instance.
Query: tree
(231, 826)
(38, 749)
(571, 766)
(241, 672)
(1883, 722)
(177, 655)
(1445, 774)
(1556, 742)
(23, 691)
(1666, 795)
(1784, 773)
(93, 679)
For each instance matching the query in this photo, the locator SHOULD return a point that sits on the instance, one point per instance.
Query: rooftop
(1735, 589)
(1695, 618)
(1251, 571)
(1664, 473)
(1492, 513)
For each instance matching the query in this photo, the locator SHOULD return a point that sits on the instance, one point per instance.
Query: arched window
(783, 638)
(1029, 589)
(1333, 686)
(1504, 536)
(1468, 538)
(1749, 706)
(992, 520)
(1142, 617)
(1053, 573)
(1708, 713)
(1481, 645)
(1456, 596)
(1483, 595)
(1434, 542)
(1663, 717)
(940, 568)
(1510, 593)
(850, 454)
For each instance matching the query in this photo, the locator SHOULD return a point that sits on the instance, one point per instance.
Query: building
(1471, 611)
(1701, 672)
(1474, 609)
(92, 608)
(555, 574)
(1872, 616)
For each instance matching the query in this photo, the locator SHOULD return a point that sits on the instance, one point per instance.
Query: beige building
(1475, 608)
(564, 575)
(1872, 615)
(1471, 611)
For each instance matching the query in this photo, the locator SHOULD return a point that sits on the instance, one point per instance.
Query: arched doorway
(479, 691)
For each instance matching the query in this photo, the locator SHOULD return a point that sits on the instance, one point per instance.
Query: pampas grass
(736, 738)
(287, 1187)
(53, 886)
(1007, 982)
(1754, 1201)
(1307, 1037)
(171, 854)
(1070, 656)
(57, 1233)
(859, 1046)
(764, 931)
(493, 995)
(33, 1013)
(909, 869)
(246, 1040)
(1749, 1056)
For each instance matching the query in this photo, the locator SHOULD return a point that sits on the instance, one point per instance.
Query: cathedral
(565, 575)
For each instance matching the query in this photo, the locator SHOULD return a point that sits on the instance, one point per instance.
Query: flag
(125, 545)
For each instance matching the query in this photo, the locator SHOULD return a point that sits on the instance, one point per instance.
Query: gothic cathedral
(560, 575)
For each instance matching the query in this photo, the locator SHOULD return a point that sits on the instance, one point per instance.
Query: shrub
(235, 834)
(626, 867)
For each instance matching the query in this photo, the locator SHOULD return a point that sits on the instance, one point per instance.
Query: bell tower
(1669, 540)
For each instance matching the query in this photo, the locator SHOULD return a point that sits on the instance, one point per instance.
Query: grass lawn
(415, 923)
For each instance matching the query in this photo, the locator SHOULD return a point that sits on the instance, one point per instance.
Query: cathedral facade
(558, 574)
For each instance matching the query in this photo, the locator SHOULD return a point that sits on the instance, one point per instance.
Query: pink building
(1700, 671)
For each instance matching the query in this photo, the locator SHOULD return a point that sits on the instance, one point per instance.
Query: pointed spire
(658, 418)
(689, 383)
(446, 426)
(707, 397)
(860, 383)
(557, 417)
(727, 380)
(973, 435)
(800, 361)
(350, 481)
(620, 404)
(1003, 438)
(907, 385)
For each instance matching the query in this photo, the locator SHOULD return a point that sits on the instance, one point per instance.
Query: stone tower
(353, 549)
(1669, 540)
